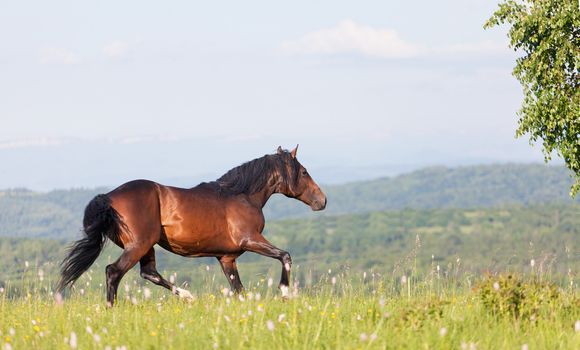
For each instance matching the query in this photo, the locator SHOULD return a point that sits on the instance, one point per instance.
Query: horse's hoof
(285, 292)
(184, 294)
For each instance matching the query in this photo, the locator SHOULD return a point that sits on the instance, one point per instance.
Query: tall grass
(443, 308)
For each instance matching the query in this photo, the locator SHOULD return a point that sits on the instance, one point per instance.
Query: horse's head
(295, 182)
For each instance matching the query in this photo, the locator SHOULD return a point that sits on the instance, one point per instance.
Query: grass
(339, 311)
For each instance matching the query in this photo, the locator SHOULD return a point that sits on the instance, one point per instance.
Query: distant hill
(441, 187)
(58, 214)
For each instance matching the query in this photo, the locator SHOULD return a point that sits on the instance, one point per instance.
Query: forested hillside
(58, 214)
(388, 242)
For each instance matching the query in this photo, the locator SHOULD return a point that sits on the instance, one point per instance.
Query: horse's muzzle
(319, 204)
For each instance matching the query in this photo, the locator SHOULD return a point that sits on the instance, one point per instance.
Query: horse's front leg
(258, 244)
(230, 269)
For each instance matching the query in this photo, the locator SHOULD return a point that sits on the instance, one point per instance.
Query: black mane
(251, 177)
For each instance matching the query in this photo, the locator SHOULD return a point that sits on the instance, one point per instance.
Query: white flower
(73, 340)
(146, 293)
(281, 317)
(403, 279)
(363, 337)
(532, 264)
(270, 282)
(333, 280)
(270, 325)
(577, 326)
(442, 331)
(495, 285)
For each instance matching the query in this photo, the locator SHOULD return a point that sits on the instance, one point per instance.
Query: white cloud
(350, 37)
(55, 55)
(116, 49)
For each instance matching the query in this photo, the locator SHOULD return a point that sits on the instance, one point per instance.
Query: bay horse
(221, 219)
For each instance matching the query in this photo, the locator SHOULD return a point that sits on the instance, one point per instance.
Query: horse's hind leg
(230, 269)
(150, 273)
(119, 268)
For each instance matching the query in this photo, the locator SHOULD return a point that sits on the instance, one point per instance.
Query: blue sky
(96, 93)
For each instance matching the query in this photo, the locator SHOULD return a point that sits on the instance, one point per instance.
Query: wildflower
(442, 331)
(403, 279)
(225, 292)
(373, 337)
(26, 264)
(181, 326)
(73, 340)
(270, 325)
(7, 346)
(363, 337)
(577, 326)
(215, 345)
(127, 288)
(532, 263)
(281, 317)
(525, 347)
(382, 302)
(333, 280)
(146, 293)
(89, 330)
(364, 275)
(134, 301)
(258, 296)
(97, 338)
(270, 282)
(82, 291)
(495, 285)
(41, 275)
(227, 318)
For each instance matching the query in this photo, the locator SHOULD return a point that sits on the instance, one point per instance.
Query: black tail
(101, 220)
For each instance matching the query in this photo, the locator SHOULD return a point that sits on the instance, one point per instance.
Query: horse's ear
(294, 151)
(280, 150)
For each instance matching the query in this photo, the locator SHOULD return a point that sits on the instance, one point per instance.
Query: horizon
(181, 181)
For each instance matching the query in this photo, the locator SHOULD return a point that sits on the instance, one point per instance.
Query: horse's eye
(304, 172)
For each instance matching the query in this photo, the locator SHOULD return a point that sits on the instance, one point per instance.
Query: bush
(511, 296)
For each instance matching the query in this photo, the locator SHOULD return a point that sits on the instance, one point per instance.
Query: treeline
(58, 214)
(395, 243)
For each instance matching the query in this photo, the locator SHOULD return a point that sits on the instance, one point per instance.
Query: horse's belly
(197, 244)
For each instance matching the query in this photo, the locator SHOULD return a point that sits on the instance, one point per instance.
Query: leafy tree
(547, 33)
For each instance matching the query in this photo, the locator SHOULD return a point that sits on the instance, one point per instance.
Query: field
(341, 310)
(461, 275)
